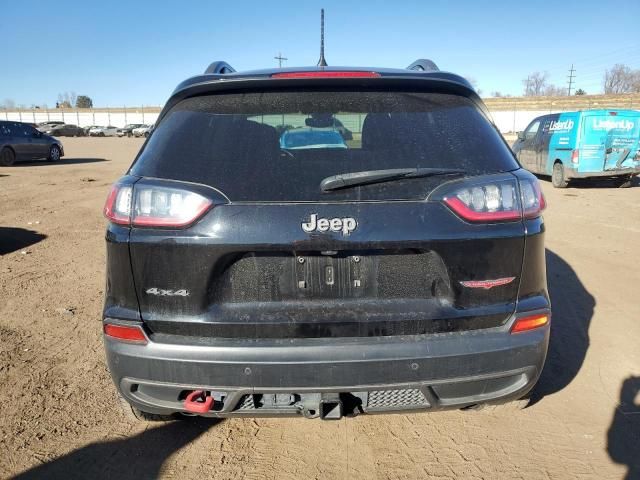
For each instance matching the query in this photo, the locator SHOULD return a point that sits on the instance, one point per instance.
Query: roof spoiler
(423, 65)
(219, 68)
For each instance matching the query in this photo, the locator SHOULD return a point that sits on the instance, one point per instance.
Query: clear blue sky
(135, 52)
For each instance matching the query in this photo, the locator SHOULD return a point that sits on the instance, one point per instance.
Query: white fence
(85, 118)
(505, 120)
(516, 120)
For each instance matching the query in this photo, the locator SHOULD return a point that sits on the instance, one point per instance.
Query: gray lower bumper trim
(424, 362)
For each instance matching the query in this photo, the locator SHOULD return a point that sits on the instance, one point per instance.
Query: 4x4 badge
(345, 225)
(161, 292)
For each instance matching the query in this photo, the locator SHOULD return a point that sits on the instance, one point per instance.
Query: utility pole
(322, 62)
(280, 58)
(571, 77)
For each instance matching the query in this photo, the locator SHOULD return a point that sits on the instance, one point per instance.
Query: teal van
(590, 143)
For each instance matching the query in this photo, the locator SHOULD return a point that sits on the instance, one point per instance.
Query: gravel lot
(58, 418)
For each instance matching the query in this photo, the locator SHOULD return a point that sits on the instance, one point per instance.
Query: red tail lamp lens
(167, 207)
(154, 206)
(525, 324)
(117, 208)
(125, 333)
(487, 203)
(496, 201)
(323, 74)
(575, 156)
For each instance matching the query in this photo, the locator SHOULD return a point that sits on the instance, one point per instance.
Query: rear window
(279, 146)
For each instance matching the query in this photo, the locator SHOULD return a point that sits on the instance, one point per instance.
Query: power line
(571, 77)
(280, 58)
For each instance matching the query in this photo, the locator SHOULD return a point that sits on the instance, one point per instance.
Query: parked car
(19, 141)
(47, 125)
(65, 130)
(127, 129)
(330, 122)
(590, 143)
(109, 131)
(88, 128)
(142, 131)
(306, 138)
(404, 272)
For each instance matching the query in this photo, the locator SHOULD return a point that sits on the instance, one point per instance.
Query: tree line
(618, 79)
(65, 100)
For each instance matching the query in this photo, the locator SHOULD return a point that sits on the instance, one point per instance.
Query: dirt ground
(58, 418)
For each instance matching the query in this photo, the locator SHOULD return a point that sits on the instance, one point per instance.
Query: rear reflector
(529, 323)
(125, 333)
(323, 74)
(487, 284)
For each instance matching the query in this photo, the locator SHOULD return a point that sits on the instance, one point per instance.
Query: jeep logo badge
(344, 225)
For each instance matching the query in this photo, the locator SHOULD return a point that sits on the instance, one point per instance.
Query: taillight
(525, 324)
(117, 208)
(502, 199)
(156, 206)
(145, 205)
(533, 202)
(133, 334)
(575, 156)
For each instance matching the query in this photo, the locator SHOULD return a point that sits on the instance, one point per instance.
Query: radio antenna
(322, 62)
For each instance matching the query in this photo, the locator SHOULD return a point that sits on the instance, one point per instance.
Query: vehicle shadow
(12, 239)
(62, 161)
(572, 309)
(134, 458)
(589, 183)
(623, 437)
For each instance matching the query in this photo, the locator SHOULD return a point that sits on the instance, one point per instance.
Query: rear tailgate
(251, 271)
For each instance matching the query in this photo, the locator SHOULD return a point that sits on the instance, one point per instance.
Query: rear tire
(54, 153)
(7, 157)
(558, 178)
(135, 415)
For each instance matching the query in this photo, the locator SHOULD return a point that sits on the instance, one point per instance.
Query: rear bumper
(573, 173)
(287, 377)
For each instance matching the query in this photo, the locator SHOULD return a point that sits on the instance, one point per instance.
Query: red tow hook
(198, 402)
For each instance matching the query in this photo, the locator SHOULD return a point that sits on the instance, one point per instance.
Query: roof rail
(423, 65)
(219, 67)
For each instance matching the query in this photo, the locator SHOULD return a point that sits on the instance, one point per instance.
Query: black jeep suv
(400, 269)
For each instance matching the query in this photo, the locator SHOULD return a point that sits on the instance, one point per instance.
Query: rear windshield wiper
(346, 180)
